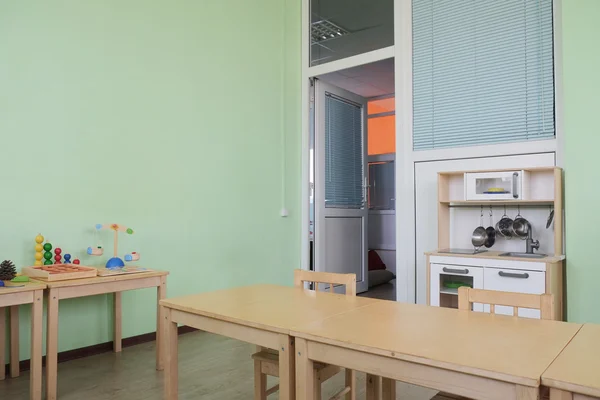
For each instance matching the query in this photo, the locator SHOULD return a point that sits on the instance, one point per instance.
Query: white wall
(465, 220)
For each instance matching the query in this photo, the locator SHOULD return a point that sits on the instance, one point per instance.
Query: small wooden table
(13, 297)
(471, 354)
(575, 374)
(116, 284)
(262, 315)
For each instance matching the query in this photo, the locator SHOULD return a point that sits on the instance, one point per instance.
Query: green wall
(178, 118)
(581, 65)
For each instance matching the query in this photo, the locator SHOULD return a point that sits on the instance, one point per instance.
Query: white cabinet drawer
(510, 280)
(441, 296)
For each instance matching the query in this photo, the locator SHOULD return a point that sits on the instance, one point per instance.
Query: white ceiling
(370, 23)
(369, 80)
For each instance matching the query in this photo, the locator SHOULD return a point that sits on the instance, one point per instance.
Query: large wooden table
(575, 374)
(262, 315)
(116, 284)
(13, 297)
(476, 355)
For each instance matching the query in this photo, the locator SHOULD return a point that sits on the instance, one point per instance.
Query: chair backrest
(348, 280)
(543, 302)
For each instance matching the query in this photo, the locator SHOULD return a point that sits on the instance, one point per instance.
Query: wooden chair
(543, 302)
(266, 361)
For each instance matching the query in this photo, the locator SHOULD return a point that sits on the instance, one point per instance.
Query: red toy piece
(76, 261)
(57, 250)
(57, 258)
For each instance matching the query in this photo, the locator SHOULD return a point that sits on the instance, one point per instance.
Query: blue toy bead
(89, 250)
(114, 263)
(67, 258)
(98, 226)
(1, 284)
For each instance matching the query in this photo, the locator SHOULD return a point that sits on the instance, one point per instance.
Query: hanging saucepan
(491, 232)
(504, 226)
(479, 236)
(520, 226)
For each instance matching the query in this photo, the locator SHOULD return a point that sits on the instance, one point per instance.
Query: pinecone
(7, 270)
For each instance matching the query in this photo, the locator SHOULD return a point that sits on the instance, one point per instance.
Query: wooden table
(262, 315)
(476, 355)
(575, 374)
(13, 297)
(116, 284)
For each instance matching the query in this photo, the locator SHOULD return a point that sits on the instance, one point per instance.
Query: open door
(341, 208)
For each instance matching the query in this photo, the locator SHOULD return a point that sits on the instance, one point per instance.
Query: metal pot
(520, 226)
(479, 236)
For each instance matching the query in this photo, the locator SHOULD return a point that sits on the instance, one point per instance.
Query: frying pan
(479, 236)
(491, 232)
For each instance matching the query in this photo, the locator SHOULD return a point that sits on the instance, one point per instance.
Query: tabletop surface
(506, 348)
(103, 279)
(270, 307)
(17, 287)
(577, 368)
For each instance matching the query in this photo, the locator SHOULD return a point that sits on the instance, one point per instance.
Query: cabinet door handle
(524, 275)
(514, 185)
(456, 270)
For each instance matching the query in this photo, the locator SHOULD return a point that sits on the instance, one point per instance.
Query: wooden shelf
(498, 202)
(535, 169)
(452, 291)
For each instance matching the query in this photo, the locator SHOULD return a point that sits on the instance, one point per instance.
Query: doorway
(352, 176)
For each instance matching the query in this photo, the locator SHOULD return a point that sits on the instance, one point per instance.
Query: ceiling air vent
(324, 30)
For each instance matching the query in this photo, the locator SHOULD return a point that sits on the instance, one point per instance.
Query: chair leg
(317, 392)
(351, 382)
(260, 382)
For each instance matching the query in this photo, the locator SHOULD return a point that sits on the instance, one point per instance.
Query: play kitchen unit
(502, 252)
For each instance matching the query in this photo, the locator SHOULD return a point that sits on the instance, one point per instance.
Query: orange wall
(381, 130)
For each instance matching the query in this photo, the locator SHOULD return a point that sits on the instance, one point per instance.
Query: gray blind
(482, 72)
(343, 153)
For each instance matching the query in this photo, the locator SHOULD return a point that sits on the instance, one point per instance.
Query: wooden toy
(128, 269)
(39, 239)
(59, 272)
(67, 257)
(76, 261)
(57, 256)
(134, 256)
(115, 261)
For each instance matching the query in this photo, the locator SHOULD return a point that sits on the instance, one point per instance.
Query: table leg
(171, 378)
(37, 321)
(388, 389)
(305, 379)
(2, 343)
(118, 322)
(527, 393)
(14, 341)
(557, 394)
(373, 387)
(286, 368)
(161, 293)
(52, 345)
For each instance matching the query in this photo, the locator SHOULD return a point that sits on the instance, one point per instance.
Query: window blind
(483, 72)
(343, 154)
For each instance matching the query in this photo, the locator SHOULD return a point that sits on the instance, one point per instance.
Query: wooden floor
(387, 291)
(211, 368)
